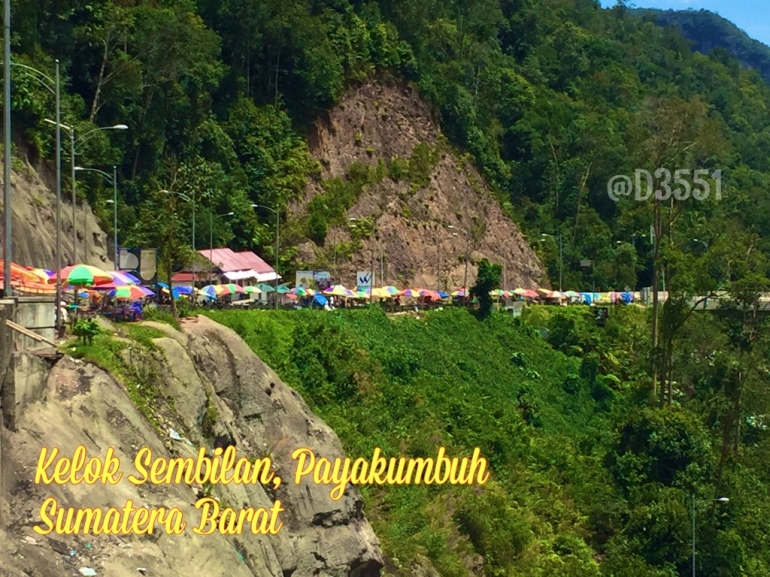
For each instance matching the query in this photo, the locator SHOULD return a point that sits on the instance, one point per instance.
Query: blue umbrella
(320, 300)
(443, 295)
(184, 290)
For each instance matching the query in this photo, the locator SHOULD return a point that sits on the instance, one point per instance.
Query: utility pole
(371, 268)
(277, 245)
(57, 306)
(561, 265)
(115, 215)
(74, 198)
(438, 264)
(7, 249)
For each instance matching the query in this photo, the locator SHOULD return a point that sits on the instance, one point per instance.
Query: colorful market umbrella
(519, 291)
(430, 294)
(120, 278)
(530, 294)
(381, 293)
(42, 274)
(32, 288)
(498, 293)
(21, 274)
(337, 291)
(234, 288)
(266, 288)
(213, 290)
(283, 289)
(411, 293)
(84, 275)
(301, 291)
(459, 293)
(391, 290)
(131, 292)
(252, 289)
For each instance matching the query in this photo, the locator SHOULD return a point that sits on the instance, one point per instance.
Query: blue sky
(752, 16)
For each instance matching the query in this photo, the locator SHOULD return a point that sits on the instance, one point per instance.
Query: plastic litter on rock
(87, 572)
(174, 435)
(88, 545)
(142, 570)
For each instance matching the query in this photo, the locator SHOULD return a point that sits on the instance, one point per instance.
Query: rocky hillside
(34, 225)
(384, 159)
(206, 385)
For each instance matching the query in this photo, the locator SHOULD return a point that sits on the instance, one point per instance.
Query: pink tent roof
(227, 261)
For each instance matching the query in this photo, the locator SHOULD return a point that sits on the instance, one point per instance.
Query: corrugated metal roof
(227, 261)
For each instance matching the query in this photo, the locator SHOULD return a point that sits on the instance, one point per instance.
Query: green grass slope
(410, 385)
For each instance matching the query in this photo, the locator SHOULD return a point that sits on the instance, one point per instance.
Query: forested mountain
(551, 98)
(599, 437)
(708, 31)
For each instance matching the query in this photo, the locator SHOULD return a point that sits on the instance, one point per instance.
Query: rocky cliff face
(206, 385)
(423, 229)
(33, 226)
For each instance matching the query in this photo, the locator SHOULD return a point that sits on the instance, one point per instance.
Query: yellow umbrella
(381, 293)
(337, 291)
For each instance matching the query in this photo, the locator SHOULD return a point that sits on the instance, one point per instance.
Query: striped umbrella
(381, 293)
(120, 278)
(234, 288)
(252, 289)
(84, 275)
(430, 294)
(42, 274)
(213, 290)
(391, 290)
(411, 293)
(338, 291)
(132, 292)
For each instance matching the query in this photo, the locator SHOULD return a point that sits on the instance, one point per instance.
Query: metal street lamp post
(73, 149)
(561, 258)
(467, 250)
(277, 214)
(54, 88)
(113, 180)
(703, 242)
(8, 291)
(694, 500)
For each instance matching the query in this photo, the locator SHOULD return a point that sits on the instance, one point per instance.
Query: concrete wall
(7, 311)
(38, 315)
(25, 383)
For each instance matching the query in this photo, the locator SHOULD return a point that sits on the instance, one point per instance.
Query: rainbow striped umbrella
(234, 288)
(411, 293)
(132, 292)
(338, 291)
(84, 275)
(120, 278)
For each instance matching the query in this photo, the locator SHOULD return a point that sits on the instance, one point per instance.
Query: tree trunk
(100, 80)
(171, 289)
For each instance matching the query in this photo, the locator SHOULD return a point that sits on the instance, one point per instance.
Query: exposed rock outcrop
(421, 226)
(214, 392)
(33, 226)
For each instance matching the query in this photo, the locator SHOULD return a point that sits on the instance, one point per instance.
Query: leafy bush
(86, 330)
